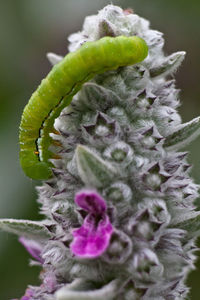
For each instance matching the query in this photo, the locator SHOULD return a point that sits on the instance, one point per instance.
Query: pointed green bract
(169, 65)
(93, 170)
(191, 224)
(77, 290)
(26, 228)
(184, 135)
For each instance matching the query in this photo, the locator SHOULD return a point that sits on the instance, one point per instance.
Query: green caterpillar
(57, 90)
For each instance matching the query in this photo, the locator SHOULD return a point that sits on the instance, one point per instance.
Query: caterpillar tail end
(37, 170)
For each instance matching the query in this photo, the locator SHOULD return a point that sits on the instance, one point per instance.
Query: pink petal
(28, 295)
(91, 239)
(91, 201)
(33, 247)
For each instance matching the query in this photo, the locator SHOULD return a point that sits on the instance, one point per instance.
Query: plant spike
(120, 220)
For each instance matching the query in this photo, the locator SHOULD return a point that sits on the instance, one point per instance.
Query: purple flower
(28, 295)
(33, 247)
(93, 237)
(49, 281)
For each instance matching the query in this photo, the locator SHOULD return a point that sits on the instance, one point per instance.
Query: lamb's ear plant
(120, 221)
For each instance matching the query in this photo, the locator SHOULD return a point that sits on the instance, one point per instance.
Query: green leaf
(184, 135)
(26, 228)
(191, 223)
(92, 169)
(77, 291)
(97, 97)
(169, 65)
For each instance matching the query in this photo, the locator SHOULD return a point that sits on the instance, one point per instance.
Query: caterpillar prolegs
(57, 90)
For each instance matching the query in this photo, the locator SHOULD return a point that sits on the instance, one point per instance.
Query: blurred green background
(30, 29)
